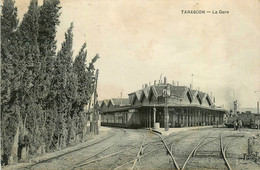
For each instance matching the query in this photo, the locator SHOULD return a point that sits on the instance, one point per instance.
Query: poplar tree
(79, 68)
(48, 22)
(85, 86)
(43, 94)
(32, 115)
(62, 67)
(9, 116)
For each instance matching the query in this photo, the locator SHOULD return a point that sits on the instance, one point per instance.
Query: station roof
(194, 93)
(157, 90)
(118, 101)
(176, 92)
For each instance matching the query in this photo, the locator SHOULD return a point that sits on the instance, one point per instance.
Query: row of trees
(43, 92)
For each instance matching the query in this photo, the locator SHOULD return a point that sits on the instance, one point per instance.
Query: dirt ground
(118, 149)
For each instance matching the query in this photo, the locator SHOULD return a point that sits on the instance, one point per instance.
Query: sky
(139, 40)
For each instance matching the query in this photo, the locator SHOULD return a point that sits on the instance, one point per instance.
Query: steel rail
(193, 152)
(103, 157)
(114, 143)
(146, 145)
(140, 156)
(168, 150)
(223, 149)
(92, 156)
(69, 152)
(110, 155)
(170, 136)
(211, 141)
(223, 152)
(176, 140)
(139, 153)
(148, 153)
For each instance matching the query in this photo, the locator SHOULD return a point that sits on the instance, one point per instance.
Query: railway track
(169, 150)
(161, 140)
(177, 140)
(83, 162)
(185, 163)
(141, 156)
(93, 158)
(128, 155)
(214, 139)
(224, 148)
(222, 151)
(141, 152)
(144, 147)
(103, 157)
(70, 152)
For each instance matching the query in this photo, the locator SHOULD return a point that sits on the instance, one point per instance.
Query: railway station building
(144, 108)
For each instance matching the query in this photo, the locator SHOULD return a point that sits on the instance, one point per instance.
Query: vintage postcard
(130, 84)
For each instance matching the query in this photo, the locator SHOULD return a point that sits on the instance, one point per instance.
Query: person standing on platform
(235, 125)
(239, 125)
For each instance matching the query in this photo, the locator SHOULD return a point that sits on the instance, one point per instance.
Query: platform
(175, 130)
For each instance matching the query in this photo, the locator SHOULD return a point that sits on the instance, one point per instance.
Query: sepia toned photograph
(130, 84)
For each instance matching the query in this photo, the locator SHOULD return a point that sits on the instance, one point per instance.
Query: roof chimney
(190, 87)
(145, 85)
(173, 82)
(165, 81)
(155, 82)
(142, 86)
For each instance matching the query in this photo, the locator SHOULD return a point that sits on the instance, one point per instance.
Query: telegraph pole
(166, 116)
(96, 112)
(154, 116)
(166, 94)
(235, 107)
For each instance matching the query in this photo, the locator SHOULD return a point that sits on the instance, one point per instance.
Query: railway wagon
(255, 123)
(249, 120)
